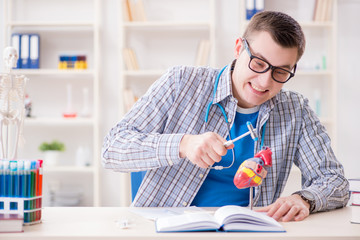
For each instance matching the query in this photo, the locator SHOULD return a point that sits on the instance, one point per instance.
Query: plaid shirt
(148, 138)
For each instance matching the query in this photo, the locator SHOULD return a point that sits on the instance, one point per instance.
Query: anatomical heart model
(12, 109)
(252, 171)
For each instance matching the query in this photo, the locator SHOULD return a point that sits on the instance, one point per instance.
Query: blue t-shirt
(218, 188)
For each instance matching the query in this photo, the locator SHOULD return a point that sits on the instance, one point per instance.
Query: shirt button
(229, 120)
(201, 175)
(184, 204)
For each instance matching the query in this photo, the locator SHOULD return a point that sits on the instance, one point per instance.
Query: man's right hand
(203, 150)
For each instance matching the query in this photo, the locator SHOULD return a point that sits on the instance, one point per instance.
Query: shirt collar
(224, 87)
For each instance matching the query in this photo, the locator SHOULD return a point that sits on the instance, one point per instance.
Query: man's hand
(203, 150)
(287, 209)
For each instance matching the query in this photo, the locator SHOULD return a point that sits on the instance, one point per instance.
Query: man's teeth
(257, 89)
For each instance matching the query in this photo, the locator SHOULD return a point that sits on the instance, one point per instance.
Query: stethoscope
(251, 132)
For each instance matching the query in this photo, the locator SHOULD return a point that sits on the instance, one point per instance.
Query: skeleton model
(12, 109)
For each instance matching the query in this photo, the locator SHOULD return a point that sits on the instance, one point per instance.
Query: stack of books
(322, 11)
(355, 199)
(134, 11)
(130, 59)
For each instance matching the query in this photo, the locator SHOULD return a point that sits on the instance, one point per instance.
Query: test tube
(13, 179)
(13, 183)
(20, 167)
(6, 172)
(27, 183)
(2, 179)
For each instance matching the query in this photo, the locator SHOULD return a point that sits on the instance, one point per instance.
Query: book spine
(250, 9)
(16, 43)
(34, 50)
(25, 51)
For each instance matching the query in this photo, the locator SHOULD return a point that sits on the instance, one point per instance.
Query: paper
(155, 213)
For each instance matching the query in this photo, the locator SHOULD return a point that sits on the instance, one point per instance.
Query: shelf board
(40, 71)
(313, 72)
(160, 24)
(144, 73)
(50, 24)
(47, 121)
(68, 169)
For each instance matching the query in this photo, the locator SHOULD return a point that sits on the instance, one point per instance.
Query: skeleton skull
(10, 57)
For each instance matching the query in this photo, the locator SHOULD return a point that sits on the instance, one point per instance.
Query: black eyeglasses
(259, 65)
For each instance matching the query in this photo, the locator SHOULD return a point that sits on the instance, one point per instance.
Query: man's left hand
(287, 209)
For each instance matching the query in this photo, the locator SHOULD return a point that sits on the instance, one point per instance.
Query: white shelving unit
(61, 33)
(172, 28)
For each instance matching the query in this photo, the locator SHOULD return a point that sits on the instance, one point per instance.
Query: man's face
(250, 88)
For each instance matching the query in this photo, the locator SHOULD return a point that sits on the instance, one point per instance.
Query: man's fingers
(301, 215)
(263, 209)
(213, 156)
(218, 146)
(289, 216)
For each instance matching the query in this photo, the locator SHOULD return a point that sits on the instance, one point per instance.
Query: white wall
(348, 83)
(348, 54)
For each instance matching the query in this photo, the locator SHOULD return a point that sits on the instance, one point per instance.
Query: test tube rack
(21, 189)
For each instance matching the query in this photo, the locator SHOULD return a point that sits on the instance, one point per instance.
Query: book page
(187, 222)
(236, 218)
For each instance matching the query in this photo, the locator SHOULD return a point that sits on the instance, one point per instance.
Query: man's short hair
(284, 30)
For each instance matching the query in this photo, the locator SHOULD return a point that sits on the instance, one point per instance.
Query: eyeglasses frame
(292, 74)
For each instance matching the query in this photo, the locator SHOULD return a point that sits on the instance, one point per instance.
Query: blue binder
(34, 51)
(250, 9)
(25, 51)
(16, 43)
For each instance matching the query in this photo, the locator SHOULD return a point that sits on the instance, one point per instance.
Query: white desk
(99, 223)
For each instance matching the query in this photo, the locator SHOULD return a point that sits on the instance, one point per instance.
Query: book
(323, 10)
(133, 10)
(130, 59)
(203, 53)
(11, 223)
(25, 51)
(250, 9)
(16, 43)
(355, 214)
(354, 184)
(127, 11)
(34, 50)
(354, 189)
(228, 218)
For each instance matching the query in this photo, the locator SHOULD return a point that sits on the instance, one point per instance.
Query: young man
(177, 131)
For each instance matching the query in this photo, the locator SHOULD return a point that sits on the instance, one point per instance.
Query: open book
(227, 218)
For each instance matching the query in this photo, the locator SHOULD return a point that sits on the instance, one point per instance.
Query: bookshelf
(164, 34)
(47, 89)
